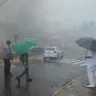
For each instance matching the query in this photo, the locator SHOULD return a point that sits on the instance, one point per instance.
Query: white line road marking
(73, 61)
(83, 64)
(78, 63)
(67, 59)
(13, 66)
(70, 61)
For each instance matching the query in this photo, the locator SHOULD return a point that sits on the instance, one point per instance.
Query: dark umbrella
(87, 43)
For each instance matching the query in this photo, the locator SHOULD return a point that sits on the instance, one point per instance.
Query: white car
(52, 52)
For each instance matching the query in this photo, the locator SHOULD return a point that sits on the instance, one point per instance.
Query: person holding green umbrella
(24, 60)
(22, 48)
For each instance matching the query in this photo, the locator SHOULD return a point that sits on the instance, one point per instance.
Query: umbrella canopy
(87, 43)
(24, 46)
(33, 41)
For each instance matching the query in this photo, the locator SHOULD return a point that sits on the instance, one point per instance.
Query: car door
(59, 53)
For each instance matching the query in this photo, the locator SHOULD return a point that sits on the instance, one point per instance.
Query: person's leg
(27, 73)
(22, 74)
(95, 75)
(91, 77)
(9, 65)
(6, 74)
(10, 68)
(6, 70)
(28, 79)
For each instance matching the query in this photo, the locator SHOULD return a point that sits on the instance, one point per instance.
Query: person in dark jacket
(24, 60)
(7, 57)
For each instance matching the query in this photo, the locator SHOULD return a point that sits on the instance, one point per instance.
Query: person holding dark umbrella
(90, 57)
(91, 67)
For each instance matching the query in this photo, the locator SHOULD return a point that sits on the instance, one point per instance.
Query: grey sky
(66, 12)
(79, 10)
(73, 11)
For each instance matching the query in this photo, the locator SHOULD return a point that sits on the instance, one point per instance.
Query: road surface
(47, 76)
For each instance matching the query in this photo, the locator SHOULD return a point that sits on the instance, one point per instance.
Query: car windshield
(49, 49)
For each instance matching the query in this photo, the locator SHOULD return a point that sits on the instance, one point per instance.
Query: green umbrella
(24, 46)
(32, 40)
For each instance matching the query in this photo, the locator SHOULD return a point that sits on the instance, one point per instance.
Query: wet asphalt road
(47, 78)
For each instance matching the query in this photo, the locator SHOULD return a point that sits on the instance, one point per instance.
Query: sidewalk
(78, 88)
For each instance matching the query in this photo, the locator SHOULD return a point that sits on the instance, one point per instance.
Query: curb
(30, 58)
(58, 91)
(16, 60)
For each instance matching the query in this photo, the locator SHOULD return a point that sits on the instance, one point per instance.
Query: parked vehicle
(53, 52)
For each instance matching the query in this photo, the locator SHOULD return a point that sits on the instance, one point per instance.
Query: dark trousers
(25, 72)
(7, 66)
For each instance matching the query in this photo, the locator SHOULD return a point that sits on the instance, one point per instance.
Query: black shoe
(18, 79)
(29, 80)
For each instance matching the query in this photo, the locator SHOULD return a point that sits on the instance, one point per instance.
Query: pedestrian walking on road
(91, 67)
(7, 57)
(24, 60)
